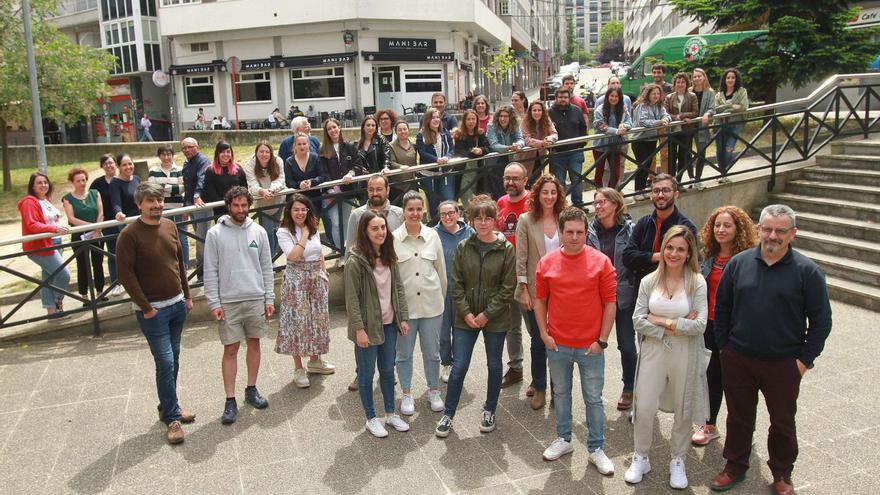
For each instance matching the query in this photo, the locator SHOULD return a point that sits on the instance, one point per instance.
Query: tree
(805, 41)
(70, 78)
(610, 42)
(571, 43)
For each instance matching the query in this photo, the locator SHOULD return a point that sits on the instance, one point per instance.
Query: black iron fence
(771, 135)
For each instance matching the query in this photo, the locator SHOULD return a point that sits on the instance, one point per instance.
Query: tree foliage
(499, 66)
(805, 41)
(571, 43)
(70, 77)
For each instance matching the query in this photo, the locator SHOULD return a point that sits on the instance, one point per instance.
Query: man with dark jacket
(194, 168)
(642, 252)
(772, 317)
(569, 122)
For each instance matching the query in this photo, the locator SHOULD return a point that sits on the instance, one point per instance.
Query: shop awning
(409, 57)
(314, 60)
(179, 70)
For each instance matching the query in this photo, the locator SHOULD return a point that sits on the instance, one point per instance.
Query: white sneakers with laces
(677, 475)
(407, 405)
(374, 426)
(445, 372)
(437, 404)
(639, 468)
(602, 462)
(396, 422)
(557, 449)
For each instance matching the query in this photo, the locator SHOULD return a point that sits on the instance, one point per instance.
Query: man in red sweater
(575, 305)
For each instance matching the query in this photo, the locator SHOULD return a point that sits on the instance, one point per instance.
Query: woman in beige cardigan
(537, 233)
(670, 318)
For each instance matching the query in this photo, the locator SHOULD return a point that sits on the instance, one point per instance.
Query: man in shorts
(239, 288)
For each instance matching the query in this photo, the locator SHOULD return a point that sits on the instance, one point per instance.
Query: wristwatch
(668, 323)
(603, 345)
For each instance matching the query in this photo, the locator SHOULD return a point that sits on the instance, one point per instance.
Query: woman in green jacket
(483, 279)
(731, 97)
(376, 308)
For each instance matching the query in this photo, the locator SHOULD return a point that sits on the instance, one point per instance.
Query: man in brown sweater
(149, 261)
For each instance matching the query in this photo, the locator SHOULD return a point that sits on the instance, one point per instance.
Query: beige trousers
(661, 367)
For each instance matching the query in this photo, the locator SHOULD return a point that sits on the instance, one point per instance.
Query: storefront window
(253, 86)
(324, 82)
(199, 90)
(423, 81)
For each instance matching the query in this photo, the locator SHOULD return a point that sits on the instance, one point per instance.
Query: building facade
(590, 16)
(646, 20)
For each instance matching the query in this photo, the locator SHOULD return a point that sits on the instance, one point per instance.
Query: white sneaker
(374, 426)
(301, 378)
(396, 422)
(407, 405)
(557, 449)
(677, 476)
(444, 375)
(602, 462)
(321, 367)
(437, 404)
(700, 186)
(117, 291)
(640, 466)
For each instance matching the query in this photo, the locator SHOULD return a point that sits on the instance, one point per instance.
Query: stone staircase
(838, 216)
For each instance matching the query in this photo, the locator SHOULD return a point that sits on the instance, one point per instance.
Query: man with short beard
(240, 290)
(642, 252)
(764, 301)
(149, 261)
(377, 192)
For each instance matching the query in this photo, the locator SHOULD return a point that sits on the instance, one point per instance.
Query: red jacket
(33, 222)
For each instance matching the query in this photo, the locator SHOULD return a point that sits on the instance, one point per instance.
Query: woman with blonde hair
(727, 232)
(670, 318)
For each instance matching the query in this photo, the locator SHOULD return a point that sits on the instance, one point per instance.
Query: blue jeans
(269, 222)
(539, 352)
(49, 262)
(428, 331)
(335, 225)
(572, 163)
(446, 330)
(367, 361)
(725, 143)
(592, 371)
(163, 333)
(438, 189)
(463, 343)
(626, 344)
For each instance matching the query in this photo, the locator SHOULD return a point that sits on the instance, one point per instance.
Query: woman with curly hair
(537, 234)
(538, 132)
(728, 231)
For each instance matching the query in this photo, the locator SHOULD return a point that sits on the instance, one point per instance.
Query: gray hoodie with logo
(238, 264)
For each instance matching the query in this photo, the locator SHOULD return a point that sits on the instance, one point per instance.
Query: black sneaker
(487, 424)
(230, 412)
(253, 397)
(444, 427)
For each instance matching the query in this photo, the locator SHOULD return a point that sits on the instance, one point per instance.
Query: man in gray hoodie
(238, 278)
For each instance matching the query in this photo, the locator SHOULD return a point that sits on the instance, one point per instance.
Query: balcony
(73, 13)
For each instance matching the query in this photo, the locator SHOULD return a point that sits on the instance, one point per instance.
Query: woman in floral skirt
(304, 329)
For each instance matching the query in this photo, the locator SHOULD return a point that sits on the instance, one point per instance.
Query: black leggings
(644, 152)
(82, 266)
(713, 373)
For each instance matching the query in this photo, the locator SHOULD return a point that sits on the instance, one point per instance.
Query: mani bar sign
(407, 45)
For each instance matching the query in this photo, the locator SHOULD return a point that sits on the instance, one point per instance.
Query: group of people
(743, 313)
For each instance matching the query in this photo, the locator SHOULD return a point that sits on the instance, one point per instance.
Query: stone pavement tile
(846, 418)
(814, 465)
(296, 476)
(159, 484)
(219, 483)
(506, 488)
(401, 446)
(861, 483)
(24, 377)
(26, 473)
(263, 437)
(144, 458)
(458, 445)
(414, 478)
(8, 421)
(208, 447)
(116, 385)
(524, 460)
(466, 474)
(56, 395)
(563, 481)
(855, 449)
(40, 429)
(814, 427)
(83, 467)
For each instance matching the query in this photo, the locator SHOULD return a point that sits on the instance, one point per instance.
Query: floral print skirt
(304, 328)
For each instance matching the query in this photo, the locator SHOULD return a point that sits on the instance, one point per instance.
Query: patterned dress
(304, 327)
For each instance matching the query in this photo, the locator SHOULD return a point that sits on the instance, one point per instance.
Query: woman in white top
(264, 172)
(423, 273)
(670, 318)
(304, 327)
(537, 234)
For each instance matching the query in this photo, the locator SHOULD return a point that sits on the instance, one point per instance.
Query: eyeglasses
(452, 213)
(513, 179)
(601, 202)
(779, 231)
(658, 191)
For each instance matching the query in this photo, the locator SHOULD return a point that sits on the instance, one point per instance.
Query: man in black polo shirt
(764, 300)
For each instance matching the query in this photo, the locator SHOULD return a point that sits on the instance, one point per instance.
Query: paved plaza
(79, 416)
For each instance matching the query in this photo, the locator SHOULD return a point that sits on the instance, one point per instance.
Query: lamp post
(36, 111)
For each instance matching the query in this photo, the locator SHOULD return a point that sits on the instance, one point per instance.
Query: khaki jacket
(362, 299)
(483, 285)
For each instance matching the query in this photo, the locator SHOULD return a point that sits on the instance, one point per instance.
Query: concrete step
(834, 190)
(834, 225)
(855, 210)
(866, 251)
(861, 147)
(849, 162)
(846, 268)
(861, 295)
(860, 177)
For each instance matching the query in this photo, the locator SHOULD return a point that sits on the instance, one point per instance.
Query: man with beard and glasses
(510, 207)
(377, 192)
(772, 316)
(240, 290)
(642, 252)
(149, 261)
